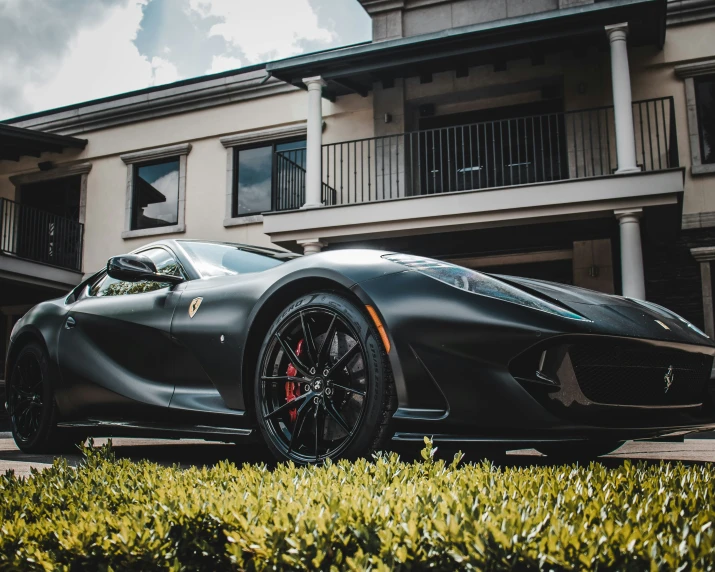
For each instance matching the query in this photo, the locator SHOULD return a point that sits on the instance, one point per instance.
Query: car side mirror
(137, 267)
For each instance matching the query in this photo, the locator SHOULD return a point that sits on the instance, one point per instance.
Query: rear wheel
(31, 403)
(323, 386)
(578, 450)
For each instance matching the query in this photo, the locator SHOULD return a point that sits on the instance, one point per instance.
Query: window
(699, 80)
(217, 259)
(156, 191)
(254, 170)
(165, 263)
(155, 201)
(705, 101)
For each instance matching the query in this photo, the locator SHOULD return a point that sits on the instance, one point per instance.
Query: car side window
(165, 263)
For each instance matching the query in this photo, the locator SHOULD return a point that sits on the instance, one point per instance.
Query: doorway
(47, 222)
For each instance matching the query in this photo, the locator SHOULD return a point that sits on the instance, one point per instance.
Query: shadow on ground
(194, 453)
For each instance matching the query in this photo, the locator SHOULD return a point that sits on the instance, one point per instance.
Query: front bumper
(465, 369)
(521, 402)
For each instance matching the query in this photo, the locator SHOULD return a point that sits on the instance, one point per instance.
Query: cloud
(223, 63)
(172, 30)
(67, 61)
(59, 52)
(265, 30)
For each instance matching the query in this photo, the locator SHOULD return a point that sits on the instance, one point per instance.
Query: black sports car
(344, 352)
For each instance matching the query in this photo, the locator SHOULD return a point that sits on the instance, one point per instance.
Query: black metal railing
(516, 151)
(40, 236)
(289, 181)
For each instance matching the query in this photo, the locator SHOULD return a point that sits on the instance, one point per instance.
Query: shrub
(385, 514)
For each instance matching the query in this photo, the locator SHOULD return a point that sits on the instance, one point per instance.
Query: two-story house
(569, 140)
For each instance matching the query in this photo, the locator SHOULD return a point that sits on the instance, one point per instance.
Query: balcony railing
(40, 236)
(289, 177)
(490, 154)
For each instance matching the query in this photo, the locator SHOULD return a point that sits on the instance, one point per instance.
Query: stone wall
(403, 18)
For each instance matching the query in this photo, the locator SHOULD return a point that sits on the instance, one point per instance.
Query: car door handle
(70, 323)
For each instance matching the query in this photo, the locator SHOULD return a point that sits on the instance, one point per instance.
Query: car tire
(343, 391)
(578, 450)
(31, 405)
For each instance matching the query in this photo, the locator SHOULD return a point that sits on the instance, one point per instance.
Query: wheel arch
(269, 309)
(26, 336)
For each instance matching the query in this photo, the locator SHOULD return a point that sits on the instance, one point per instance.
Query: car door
(116, 353)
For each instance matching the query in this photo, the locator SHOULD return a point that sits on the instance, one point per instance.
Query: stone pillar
(622, 104)
(314, 143)
(311, 245)
(632, 275)
(705, 255)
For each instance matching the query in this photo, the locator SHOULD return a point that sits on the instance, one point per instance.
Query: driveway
(188, 453)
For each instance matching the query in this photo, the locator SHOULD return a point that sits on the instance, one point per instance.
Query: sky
(58, 52)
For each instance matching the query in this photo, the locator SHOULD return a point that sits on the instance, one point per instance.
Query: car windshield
(221, 259)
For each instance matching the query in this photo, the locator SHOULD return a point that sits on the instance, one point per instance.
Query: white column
(314, 143)
(632, 275)
(622, 103)
(311, 245)
(705, 255)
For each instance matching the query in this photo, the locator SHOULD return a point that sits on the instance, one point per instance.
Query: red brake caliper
(293, 389)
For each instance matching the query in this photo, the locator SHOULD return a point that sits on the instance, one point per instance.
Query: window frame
(154, 157)
(236, 172)
(688, 73)
(137, 167)
(253, 139)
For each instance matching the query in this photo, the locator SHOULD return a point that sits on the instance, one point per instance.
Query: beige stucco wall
(653, 75)
(348, 118)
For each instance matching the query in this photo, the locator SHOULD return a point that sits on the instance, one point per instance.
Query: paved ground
(198, 453)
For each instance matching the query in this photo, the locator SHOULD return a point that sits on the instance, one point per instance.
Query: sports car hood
(564, 293)
(616, 314)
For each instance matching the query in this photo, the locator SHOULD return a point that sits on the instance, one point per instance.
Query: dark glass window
(165, 263)
(705, 97)
(155, 200)
(218, 259)
(254, 168)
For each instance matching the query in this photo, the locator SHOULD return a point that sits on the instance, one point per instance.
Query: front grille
(623, 374)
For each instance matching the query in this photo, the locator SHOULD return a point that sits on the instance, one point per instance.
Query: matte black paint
(141, 362)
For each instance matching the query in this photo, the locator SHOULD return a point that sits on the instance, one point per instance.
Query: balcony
(30, 235)
(465, 172)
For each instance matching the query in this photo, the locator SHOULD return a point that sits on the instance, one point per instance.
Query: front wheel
(323, 386)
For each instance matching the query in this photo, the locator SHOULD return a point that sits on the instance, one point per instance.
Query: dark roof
(124, 95)
(355, 69)
(16, 142)
(154, 89)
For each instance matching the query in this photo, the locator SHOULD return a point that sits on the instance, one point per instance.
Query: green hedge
(379, 515)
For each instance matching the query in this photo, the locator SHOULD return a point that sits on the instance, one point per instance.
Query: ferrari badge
(194, 306)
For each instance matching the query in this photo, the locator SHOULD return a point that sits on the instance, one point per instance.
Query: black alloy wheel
(323, 385)
(31, 403)
(26, 397)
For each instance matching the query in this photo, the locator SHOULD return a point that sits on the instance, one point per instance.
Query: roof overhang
(354, 69)
(16, 142)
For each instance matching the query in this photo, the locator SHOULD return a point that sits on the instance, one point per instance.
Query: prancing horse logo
(669, 378)
(194, 307)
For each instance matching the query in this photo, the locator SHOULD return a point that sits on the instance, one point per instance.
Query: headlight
(658, 309)
(478, 283)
